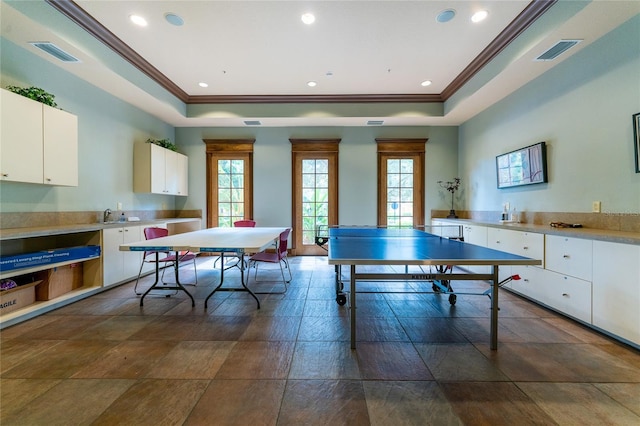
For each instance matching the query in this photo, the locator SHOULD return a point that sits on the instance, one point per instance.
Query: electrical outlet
(119, 206)
(596, 207)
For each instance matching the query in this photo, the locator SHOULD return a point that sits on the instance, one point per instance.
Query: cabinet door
(477, 235)
(158, 169)
(569, 295)
(171, 172)
(570, 256)
(182, 174)
(616, 289)
(111, 255)
(60, 147)
(131, 260)
(529, 283)
(21, 152)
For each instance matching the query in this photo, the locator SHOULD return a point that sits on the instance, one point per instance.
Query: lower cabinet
(616, 289)
(120, 265)
(567, 294)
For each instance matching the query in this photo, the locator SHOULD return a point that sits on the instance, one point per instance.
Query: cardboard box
(60, 280)
(17, 298)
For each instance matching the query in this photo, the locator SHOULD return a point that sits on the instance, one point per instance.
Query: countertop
(586, 233)
(41, 231)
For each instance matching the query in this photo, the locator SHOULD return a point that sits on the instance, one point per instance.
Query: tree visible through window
(230, 191)
(315, 197)
(229, 181)
(400, 193)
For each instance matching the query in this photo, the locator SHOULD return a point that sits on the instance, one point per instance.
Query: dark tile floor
(107, 361)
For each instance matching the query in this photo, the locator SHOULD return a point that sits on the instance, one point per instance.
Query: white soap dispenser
(514, 216)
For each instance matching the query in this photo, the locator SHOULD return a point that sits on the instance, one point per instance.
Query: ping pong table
(361, 246)
(212, 240)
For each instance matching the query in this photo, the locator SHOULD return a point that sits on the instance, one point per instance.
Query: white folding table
(211, 240)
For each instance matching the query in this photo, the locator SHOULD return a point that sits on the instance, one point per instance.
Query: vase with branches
(452, 187)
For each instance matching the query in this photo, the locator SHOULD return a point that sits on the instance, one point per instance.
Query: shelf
(44, 267)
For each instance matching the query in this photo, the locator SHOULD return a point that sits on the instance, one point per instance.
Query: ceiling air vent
(375, 122)
(252, 122)
(55, 51)
(557, 49)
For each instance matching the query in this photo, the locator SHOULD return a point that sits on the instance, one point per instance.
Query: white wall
(357, 167)
(582, 108)
(107, 130)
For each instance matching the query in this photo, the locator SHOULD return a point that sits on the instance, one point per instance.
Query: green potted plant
(35, 93)
(164, 143)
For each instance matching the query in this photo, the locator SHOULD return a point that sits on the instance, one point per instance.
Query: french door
(401, 183)
(315, 191)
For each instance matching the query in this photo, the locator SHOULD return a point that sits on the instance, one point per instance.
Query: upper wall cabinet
(38, 143)
(159, 170)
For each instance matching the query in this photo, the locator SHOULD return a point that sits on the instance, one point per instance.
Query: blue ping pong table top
(385, 246)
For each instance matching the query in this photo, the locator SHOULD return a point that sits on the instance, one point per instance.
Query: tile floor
(107, 361)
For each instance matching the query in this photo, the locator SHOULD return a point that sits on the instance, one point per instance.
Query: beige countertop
(40, 231)
(587, 233)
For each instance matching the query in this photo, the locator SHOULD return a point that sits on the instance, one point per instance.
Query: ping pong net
(325, 233)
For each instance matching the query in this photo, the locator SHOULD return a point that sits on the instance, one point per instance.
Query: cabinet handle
(5, 175)
(565, 294)
(566, 256)
(526, 280)
(498, 242)
(525, 248)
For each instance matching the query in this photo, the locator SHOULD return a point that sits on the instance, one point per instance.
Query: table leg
(353, 306)
(494, 309)
(154, 284)
(178, 286)
(242, 280)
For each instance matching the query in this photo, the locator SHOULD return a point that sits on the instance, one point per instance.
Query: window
(401, 183)
(229, 181)
(315, 193)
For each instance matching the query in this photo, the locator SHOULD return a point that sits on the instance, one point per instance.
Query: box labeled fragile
(58, 281)
(17, 298)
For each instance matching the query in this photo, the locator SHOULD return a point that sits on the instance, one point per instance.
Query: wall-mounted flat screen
(525, 166)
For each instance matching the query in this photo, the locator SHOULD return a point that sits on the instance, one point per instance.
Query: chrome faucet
(107, 213)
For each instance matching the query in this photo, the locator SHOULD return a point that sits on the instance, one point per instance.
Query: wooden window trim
(224, 149)
(402, 148)
(313, 148)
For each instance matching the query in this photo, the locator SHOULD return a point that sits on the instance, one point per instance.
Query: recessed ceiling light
(479, 16)
(138, 20)
(426, 83)
(174, 19)
(308, 18)
(311, 83)
(446, 15)
(203, 84)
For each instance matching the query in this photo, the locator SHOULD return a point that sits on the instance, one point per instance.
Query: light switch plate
(596, 207)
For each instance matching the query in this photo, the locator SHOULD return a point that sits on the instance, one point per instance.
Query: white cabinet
(120, 265)
(159, 170)
(570, 256)
(182, 174)
(527, 244)
(38, 143)
(445, 229)
(529, 283)
(616, 289)
(567, 294)
(60, 163)
(477, 235)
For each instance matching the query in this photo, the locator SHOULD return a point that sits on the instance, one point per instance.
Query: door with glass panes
(400, 190)
(315, 198)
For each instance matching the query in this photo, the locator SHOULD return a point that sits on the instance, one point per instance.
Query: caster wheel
(452, 299)
(341, 299)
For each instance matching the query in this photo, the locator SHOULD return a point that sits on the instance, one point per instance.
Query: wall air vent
(55, 51)
(375, 122)
(252, 122)
(557, 49)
